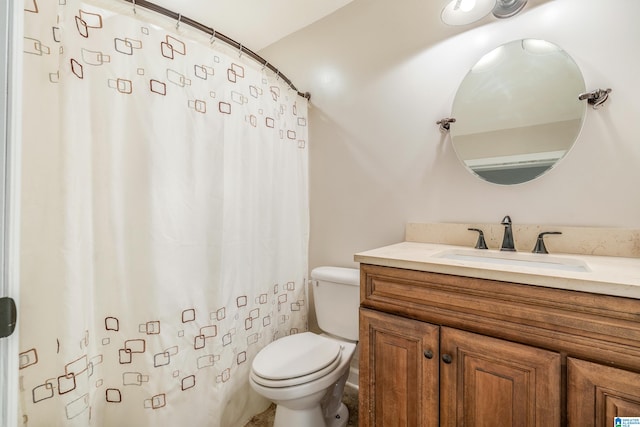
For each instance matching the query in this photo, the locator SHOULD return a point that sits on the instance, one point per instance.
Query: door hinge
(8, 316)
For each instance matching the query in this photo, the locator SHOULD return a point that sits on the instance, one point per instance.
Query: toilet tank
(336, 295)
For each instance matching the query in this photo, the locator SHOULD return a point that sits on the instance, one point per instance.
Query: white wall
(382, 72)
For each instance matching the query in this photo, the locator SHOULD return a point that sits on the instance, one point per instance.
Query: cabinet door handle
(428, 354)
(446, 358)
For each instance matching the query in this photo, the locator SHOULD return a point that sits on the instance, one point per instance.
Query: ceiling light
(466, 5)
(463, 12)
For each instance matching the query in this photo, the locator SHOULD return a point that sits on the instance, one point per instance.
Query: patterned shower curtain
(164, 220)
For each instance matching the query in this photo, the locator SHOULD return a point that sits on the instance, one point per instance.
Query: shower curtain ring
(134, 6)
(213, 37)
(178, 23)
(265, 65)
(240, 50)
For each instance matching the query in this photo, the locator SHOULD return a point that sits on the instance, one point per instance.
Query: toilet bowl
(305, 373)
(299, 396)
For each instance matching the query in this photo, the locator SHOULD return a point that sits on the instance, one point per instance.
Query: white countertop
(607, 275)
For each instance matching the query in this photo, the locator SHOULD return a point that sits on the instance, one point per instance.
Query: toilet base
(311, 417)
(341, 418)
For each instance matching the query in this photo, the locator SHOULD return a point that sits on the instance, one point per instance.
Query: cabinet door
(398, 371)
(597, 394)
(490, 382)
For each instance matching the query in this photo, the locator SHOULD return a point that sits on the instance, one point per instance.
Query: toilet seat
(296, 359)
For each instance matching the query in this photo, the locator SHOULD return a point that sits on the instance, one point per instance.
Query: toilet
(304, 374)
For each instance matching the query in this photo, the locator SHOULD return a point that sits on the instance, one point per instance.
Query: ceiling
(257, 24)
(254, 23)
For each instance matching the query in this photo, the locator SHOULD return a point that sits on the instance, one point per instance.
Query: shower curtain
(164, 220)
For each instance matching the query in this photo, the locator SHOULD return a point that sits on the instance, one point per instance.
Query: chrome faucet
(507, 239)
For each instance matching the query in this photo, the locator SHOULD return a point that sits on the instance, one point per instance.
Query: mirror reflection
(517, 111)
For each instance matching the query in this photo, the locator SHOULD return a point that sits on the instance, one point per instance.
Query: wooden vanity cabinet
(598, 393)
(443, 350)
(419, 374)
(399, 359)
(490, 382)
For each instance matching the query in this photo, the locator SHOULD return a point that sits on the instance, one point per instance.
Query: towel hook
(595, 98)
(445, 124)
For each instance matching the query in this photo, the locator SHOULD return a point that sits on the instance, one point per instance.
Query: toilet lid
(295, 356)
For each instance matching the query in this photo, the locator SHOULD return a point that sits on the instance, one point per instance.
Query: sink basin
(515, 259)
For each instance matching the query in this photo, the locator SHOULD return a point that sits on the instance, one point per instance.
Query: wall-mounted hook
(595, 98)
(445, 124)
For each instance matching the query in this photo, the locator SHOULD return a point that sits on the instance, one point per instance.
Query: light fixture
(463, 12)
(508, 8)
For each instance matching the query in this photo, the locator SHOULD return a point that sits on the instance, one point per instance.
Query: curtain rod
(228, 40)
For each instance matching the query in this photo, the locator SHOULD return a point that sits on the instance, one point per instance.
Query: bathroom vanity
(519, 339)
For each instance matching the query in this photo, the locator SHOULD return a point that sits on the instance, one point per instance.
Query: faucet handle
(540, 248)
(481, 243)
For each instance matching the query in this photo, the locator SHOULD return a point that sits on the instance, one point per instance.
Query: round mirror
(517, 111)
